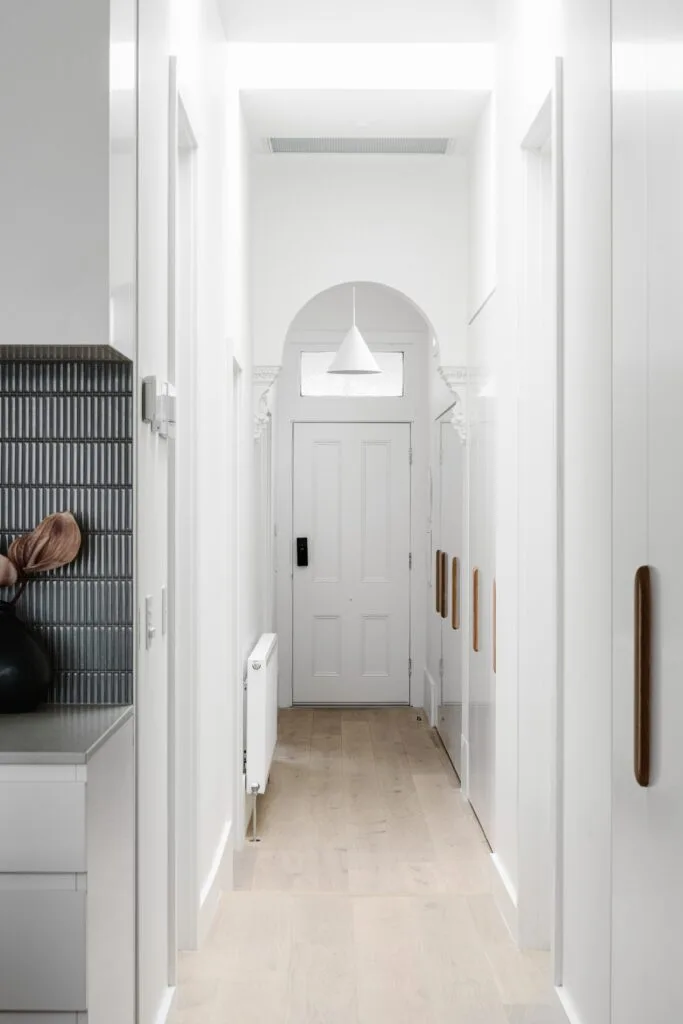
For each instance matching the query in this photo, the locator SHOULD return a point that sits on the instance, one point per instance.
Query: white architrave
(263, 379)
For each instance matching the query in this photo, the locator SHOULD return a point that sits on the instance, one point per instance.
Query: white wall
(481, 165)
(320, 221)
(386, 320)
(152, 505)
(529, 40)
(193, 32)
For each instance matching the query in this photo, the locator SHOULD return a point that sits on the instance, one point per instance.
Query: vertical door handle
(475, 610)
(438, 583)
(642, 602)
(455, 596)
(495, 628)
(444, 585)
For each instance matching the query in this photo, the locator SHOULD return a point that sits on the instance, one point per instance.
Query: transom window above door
(316, 382)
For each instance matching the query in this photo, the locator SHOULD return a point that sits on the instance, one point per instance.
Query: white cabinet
(454, 624)
(647, 820)
(68, 202)
(67, 888)
(481, 640)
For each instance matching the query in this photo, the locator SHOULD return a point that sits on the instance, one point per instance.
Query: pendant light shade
(354, 356)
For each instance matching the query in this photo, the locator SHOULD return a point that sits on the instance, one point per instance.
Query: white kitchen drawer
(42, 826)
(42, 952)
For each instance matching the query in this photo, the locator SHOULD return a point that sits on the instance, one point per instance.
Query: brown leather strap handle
(642, 604)
(455, 595)
(437, 582)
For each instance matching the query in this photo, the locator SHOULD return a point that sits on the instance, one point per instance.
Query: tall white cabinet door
(453, 540)
(352, 601)
(481, 726)
(647, 900)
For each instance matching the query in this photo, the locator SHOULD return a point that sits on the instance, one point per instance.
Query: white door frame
(292, 537)
(183, 885)
(546, 131)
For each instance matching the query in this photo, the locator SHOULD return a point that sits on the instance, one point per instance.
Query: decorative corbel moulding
(456, 379)
(263, 378)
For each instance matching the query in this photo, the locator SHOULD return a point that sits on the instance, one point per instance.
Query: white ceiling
(346, 21)
(294, 113)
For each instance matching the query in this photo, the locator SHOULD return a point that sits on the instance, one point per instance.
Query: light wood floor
(368, 899)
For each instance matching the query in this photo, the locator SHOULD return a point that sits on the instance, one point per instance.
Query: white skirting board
(567, 1006)
(218, 879)
(165, 1007)
(505, 896)
(431, 699)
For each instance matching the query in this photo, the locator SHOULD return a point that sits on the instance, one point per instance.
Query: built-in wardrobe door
(647, 949)
(481, 724)
(453, 623)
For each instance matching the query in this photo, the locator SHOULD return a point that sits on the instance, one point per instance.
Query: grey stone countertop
(58, 734)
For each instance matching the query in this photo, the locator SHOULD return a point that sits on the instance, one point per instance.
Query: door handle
(438, 582)
(475, 610)
(444, 585)
(302, 552)
(642, 603)
(455, 595)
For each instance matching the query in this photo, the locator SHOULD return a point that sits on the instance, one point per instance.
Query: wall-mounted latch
(159, 406)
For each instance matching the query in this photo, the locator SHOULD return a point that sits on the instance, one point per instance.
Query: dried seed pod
(54, 542)
(8, 572)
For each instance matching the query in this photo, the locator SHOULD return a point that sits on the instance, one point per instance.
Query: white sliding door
(351, 514)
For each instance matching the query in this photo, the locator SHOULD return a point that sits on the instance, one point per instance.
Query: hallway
(367, 900)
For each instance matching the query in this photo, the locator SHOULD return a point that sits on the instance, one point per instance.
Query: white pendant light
(354, 356)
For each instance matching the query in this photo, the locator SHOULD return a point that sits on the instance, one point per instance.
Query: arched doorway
(351, 462)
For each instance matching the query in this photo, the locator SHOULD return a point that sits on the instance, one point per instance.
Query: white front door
(351, 610)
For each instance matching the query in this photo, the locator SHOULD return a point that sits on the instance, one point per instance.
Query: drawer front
(42, 950)
(42, 827)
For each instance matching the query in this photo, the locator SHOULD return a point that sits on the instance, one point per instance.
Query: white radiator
(261, 712)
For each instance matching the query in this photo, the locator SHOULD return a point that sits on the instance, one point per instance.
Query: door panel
(452, 540)
(647, 824)
(351, 617)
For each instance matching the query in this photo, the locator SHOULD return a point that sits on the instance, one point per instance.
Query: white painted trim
(183, 723)
(505, 896)
(218, 878)
(546, 130)
(165, 1006)
(431, 698)
(567, 1006)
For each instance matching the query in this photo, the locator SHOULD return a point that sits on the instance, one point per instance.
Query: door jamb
(183, 888)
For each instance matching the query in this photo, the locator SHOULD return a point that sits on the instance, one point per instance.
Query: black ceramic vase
(25, 671)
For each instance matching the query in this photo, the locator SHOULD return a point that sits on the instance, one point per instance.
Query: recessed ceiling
(360, 21)
(361, 114)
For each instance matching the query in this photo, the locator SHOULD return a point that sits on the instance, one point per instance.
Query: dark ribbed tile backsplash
(66, 433)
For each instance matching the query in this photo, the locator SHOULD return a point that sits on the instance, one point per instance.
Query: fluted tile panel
(66, 444)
